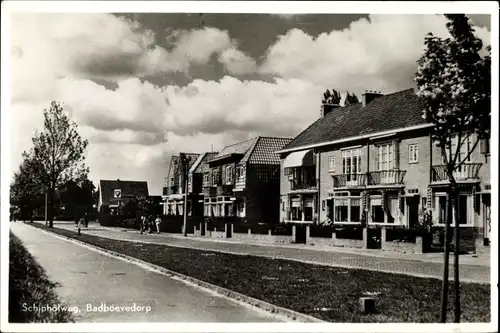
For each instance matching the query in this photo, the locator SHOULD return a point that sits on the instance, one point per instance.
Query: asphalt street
(89, 279)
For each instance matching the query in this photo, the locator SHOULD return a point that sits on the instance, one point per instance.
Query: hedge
(321, 231)
(349, 232)
(29, 285)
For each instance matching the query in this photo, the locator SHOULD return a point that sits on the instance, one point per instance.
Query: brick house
(243, 181)
(374, 161)
(195, 184)
(173, 191)
(112, 193)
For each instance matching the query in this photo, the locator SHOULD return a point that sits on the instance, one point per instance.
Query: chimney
(327, 108)
(370, 95)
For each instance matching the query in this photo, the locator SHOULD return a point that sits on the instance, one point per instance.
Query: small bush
(28, 286)
(323, 231)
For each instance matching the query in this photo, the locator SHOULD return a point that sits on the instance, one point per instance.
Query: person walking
(142, 226)
(86, 220)
(158, 223)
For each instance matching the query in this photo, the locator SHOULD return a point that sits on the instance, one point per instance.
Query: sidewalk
(472, 269)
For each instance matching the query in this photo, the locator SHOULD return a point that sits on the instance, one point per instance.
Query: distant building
(243, 180)
(112, 193)
(174, 189)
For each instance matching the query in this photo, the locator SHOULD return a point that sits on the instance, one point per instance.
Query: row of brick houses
(242, 180)
(371, 163)
(375, 161)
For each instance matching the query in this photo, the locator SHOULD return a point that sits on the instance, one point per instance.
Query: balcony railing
(169, 190)
(224, 190)
(348, 180)
(386, 177)
(467, 171)
(303, 186)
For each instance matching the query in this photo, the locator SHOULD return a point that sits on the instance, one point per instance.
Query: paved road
(88, 277)
(430, 265)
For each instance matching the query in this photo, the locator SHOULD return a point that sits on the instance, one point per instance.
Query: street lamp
(185, 164)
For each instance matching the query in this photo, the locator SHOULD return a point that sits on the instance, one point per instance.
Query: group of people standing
(147, 224)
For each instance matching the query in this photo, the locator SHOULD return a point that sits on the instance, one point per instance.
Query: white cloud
(379, 53)
(237, 62)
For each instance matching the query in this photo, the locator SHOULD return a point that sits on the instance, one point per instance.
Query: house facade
(243, 181)
(175, 183)
(113, 193)
(374, 163)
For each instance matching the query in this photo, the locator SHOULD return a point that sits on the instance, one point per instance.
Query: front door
(487, 217)
(412, 212)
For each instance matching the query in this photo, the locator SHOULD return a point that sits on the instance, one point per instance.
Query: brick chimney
(370, 95)
(327, 108)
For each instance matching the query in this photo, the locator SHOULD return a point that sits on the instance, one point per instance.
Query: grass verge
(329, 293)
(31, 293)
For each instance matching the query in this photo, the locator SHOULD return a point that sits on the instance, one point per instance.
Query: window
(385, 157)
(391, 212)
(465, 209)
(331, 163)
(485, 146)
(215, 177)
(413, 153)
(206, 178)
(229, 174)
(351, 163)
(465, 148)
(347, 207)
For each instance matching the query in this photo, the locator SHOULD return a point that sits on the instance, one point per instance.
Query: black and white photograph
(205, 166)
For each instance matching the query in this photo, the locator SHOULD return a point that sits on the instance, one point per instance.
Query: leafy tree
(58, 153)
(332, 97)
(77, 196)
(351, 99)
(25, 193)
(454, 81)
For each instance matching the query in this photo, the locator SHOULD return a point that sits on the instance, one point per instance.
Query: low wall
(354, 243)
(321, 241)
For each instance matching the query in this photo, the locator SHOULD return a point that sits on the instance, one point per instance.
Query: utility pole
(185, 164)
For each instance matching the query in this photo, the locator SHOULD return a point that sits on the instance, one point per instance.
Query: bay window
(229, 175)
(465, 209)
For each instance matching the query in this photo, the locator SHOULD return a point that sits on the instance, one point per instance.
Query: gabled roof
(239, 148)
(264, 151)
(128, 188)
(175, 163)
(392, 111)
(203, 161)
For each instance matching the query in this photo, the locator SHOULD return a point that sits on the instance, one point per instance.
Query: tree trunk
(50, 207)
(457, 250)
(444, 289)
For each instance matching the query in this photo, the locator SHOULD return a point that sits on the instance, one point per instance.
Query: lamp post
(185, 164)
(46, 216)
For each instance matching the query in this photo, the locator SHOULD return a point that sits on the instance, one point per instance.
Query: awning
(300, 158)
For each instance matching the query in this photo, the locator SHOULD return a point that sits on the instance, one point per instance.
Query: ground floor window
(302, 209)
(347, 207)
(465, 209)
(389, 214)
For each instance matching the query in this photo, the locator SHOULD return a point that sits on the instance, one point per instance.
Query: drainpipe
(318, 183)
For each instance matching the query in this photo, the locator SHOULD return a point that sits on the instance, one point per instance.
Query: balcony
(467, 171)
(169, 190)
(386, 177)
(303, 187)
(349, 180)
(224, 190)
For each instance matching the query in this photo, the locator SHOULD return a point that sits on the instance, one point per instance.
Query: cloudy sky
(144, 86)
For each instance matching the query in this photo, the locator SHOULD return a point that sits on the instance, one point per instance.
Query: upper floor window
(229, 174)
(385, 157)
(215, 177)
(413, 153)
(331, 163)
(206, 178)
(485, 146)
(463, 151)
(351, 161)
